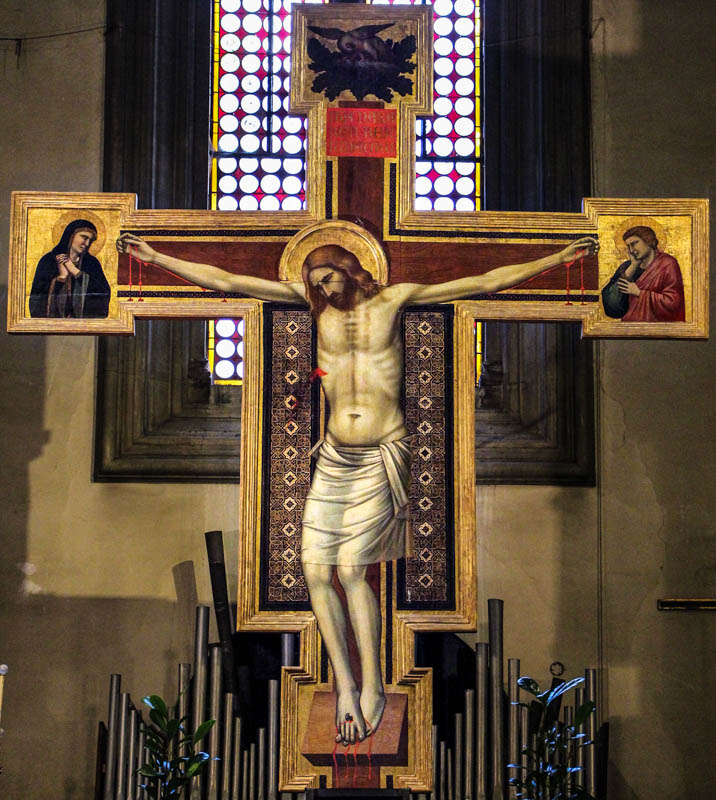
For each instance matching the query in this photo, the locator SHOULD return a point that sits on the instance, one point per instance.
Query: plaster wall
(101, 578)
(653, 100)
(94, 578)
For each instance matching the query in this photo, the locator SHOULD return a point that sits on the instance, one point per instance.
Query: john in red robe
(648, 287)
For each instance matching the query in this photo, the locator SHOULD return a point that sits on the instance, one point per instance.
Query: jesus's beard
(345, 300)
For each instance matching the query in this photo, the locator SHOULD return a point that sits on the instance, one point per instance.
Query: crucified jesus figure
(356, 510)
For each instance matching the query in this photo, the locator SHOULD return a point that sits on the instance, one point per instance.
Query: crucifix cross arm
(498, 278)
(215, 278)
(221, 280)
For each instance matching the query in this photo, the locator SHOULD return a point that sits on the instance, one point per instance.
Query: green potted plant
(171, 760)
(551, 772)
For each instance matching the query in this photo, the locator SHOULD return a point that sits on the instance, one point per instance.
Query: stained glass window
(258, 148)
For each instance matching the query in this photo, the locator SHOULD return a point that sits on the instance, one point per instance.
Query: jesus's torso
(361, 353)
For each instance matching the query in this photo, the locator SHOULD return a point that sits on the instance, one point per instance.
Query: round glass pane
(442, 26)
(228, 83)
(465, 106)
(230, 42)
(444, 167)
(465, 186)
(442, 106)
(442, 126)
(465, 86)
(250, 83)
(230, 23)
(291, 204)
(443, 86)
(442, 7)
(465, 66)
(250, 103)
(250, 123)
(422, 167)
(231, 5)
(228, 123)
(228, 143)
(464, 204)
(251, 6)
(270, 203)
(249, 142)
(444, 204)
(444, 185)
(443, 46)
(224, 370)
(293, 165)
(251, 23)
(464, 46)
(225, 328)
(248, 203)
(229, 62)
(250, 63)
(229, 103)
(270, 164)
(292, 144)
(464, 8)
(292, 124)
(292, 184)
(423, 204)
(240, 370)
(227, 184)
(464, 168)
(465, 147)
(464, 126)
(248, 184)
(442, 147)
(227, 204)
(225, 348)
(443, 66)
(252, 44)
(228, 164)
(270, 184)
(248, 165)
(464, 26)
(423, 185)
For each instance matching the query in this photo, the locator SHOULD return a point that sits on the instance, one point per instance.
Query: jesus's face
(333, 284)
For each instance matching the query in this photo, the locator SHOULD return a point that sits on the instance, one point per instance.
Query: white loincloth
(356, 510)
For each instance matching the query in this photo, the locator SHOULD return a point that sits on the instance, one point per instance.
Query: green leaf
(147, 772)
(172, 728)
(158, 719)
(562, 688)
(529, 685)
(202, 730)
(582, 713)
(157, 702)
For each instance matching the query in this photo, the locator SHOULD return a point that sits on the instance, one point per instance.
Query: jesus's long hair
(337, 258)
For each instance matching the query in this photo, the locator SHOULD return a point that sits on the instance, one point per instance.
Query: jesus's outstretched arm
(496, 279)
(213, 277)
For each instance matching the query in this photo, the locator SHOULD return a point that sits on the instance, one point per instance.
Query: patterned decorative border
(291, 428)
(425, 580)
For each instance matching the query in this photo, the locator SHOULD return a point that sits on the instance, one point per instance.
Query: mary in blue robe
(85, 295)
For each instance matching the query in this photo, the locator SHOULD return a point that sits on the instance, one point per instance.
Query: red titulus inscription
(368, 132)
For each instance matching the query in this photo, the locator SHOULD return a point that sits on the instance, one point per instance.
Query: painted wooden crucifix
(357, 464)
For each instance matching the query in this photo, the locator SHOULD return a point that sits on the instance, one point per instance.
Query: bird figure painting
(363, 63)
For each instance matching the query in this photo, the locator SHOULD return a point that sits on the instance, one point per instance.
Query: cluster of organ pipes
(243, 763)
(470, 761)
